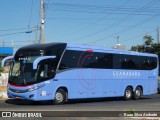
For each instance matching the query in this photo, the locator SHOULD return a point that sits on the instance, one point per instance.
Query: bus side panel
(75, 88)
(151, 82)
(153, 86)
(94, 83)
(59, 83)
(51, 86)
(147, 80)
(45, 93)
(112, 86)
(150, 87)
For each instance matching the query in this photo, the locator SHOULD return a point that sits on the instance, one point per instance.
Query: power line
(100, 19)
(127, 29)
(131, 27)
(129, 39)
(7, 34)
(128, 11)
(14, 29)
(11, 34)
(105, 12)
(30, 13)
(118, 21)
(38, 21)
(137, 36)
(16, 41)
(87, 20)
(136, 12)
(120, 11)
(73, 8)
(84, 6)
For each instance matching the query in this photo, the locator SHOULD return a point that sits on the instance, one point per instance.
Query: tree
(1, 69)
(148, 40)
(147, 46)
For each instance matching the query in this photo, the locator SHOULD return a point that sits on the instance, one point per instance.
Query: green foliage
(1, 69)
(148, 46)
(148, 40)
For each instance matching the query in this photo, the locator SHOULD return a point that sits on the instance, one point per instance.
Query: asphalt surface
(147, 103)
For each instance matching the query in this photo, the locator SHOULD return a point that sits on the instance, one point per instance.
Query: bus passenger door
(46, 73)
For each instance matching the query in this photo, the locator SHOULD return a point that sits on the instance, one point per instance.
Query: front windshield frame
(22, 72)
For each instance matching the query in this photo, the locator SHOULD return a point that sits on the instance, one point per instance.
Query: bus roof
(47, 46)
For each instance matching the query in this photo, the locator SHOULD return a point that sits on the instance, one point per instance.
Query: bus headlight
(35, 88)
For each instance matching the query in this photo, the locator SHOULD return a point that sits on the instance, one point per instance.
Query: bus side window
(152, 63)
(70, 60)
(46, 71)
(124, 64)
(131, 64)
(42, 73)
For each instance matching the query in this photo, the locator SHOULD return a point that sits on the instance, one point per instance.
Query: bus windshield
(22, 72)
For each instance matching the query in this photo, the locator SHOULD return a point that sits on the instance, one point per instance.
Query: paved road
(148, 103)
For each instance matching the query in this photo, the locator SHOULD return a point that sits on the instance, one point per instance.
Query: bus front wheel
(138, 93)
(128, 93)
(60, 97)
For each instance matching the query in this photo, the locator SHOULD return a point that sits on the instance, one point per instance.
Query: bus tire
(128, 93)
(60, 97)
(138, 93)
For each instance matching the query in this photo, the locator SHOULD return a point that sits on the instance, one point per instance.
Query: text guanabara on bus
(61, 71)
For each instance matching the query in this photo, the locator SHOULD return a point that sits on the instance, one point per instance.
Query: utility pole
(42, 21)
(35, 32)
(158, 35)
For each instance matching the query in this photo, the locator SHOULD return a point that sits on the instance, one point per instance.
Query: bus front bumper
(28, 95)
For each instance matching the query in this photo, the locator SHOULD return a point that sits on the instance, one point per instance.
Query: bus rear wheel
(60, 97)
(138, 93)
(128, 93)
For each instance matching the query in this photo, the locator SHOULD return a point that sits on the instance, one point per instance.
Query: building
(119, 46)
(6, 51)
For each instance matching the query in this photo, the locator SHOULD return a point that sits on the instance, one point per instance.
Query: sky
(91, 22)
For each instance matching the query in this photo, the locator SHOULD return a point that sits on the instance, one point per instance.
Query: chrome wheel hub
(59, 97)
(128, 93)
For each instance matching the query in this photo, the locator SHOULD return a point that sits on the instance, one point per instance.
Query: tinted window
(83, 59)
(152, 62)
(100, 60)
(90, 60)
(121, 61)
(69, 59)
(56, 52)
(46, 70)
